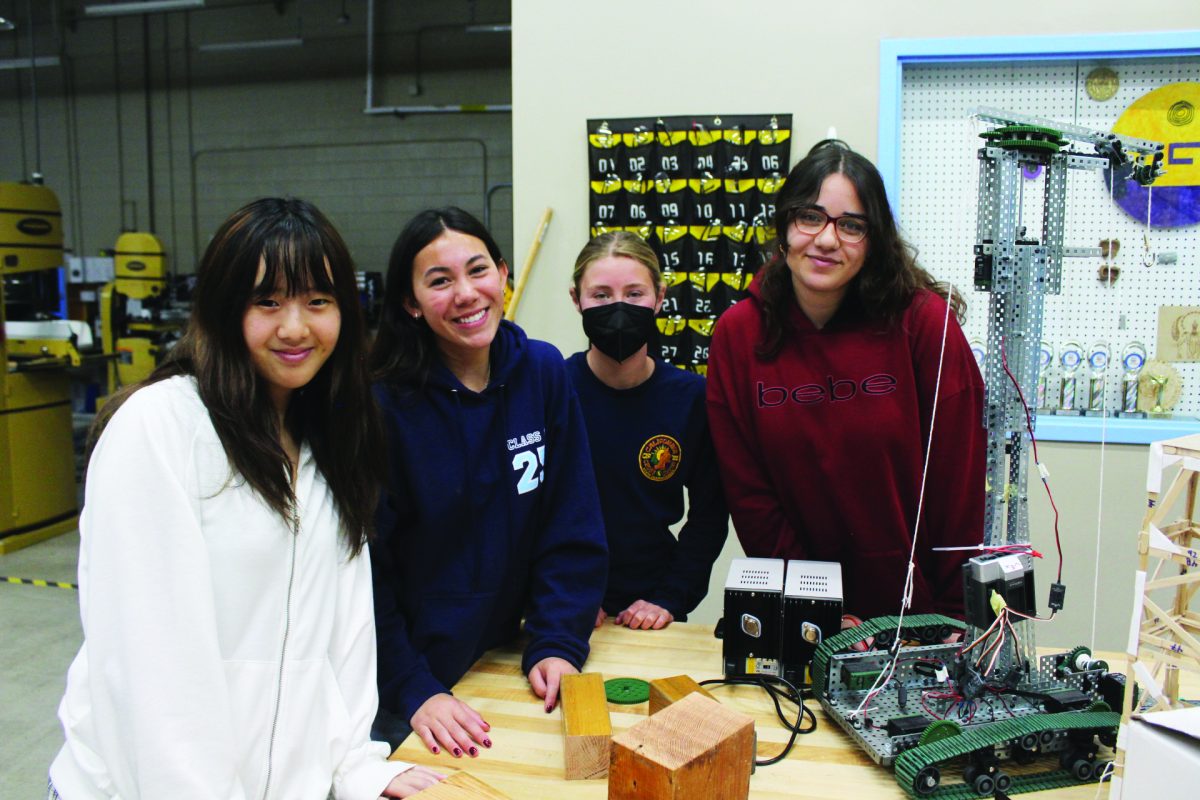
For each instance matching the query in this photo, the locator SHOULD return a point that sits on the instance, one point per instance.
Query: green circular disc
(626, 691)
(939, 730)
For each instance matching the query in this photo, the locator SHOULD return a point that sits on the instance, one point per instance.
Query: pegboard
(938, 179)
(701, 191)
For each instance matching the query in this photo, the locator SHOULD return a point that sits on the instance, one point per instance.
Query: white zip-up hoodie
(188, 585)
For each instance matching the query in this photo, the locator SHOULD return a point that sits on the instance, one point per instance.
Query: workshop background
(164, 122)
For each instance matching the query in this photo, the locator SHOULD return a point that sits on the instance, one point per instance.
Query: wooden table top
(526, 758)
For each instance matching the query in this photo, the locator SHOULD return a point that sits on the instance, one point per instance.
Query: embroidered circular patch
(659, 457)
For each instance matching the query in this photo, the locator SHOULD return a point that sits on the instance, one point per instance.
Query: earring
(416, 315)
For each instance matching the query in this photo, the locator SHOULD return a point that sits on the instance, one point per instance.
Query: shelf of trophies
(1084, 395)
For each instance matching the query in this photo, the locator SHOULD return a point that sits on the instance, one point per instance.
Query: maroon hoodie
(822, 448)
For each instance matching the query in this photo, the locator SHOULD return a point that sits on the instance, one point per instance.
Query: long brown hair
(890, 275)
(295, 242)
(405, 348)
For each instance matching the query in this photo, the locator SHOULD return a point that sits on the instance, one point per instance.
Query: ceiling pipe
(140, 7)
(371, 108)
(37, 114)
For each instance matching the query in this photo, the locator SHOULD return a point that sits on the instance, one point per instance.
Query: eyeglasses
(850, 229)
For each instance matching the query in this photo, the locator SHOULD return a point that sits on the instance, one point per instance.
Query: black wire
(793, 695)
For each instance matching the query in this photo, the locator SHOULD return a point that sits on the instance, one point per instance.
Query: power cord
(791, 695)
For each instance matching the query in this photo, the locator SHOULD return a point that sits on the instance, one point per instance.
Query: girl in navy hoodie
(491, 513)
(648, 430)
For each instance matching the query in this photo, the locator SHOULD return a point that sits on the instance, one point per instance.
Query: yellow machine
(136, 320)
(37, 465)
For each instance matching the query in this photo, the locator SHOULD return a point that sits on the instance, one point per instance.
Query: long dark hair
(405, 347)
(890, 275)
(294, 241)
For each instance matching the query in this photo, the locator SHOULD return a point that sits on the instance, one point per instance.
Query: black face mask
(618, 329)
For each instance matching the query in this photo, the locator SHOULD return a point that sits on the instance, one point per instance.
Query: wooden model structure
(1162, 640)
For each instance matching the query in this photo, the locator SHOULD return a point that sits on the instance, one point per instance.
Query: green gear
(939, 730)
(1072, 661)
(626, 691)
(1025, 137)
(1099, 705)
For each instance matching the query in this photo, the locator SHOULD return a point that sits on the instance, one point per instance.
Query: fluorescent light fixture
(140, 7)
(254, 44)
(23, 63)
(489, 28)
(6, 24)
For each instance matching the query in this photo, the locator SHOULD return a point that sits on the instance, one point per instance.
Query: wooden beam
(695, 747)
(665, 691)
(587, 731)
(460, 786)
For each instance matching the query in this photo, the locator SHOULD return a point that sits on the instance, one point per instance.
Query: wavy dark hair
(405, 347)
(294, 241)
(890, 275)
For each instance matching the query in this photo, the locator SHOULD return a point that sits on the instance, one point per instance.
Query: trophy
(1070, 358)
(1045, 359)
(1097, 366)
(1132, 360)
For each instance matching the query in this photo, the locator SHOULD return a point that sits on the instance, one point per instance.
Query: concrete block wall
(226, 127)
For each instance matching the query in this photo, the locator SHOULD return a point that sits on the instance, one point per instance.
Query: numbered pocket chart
(701, 190)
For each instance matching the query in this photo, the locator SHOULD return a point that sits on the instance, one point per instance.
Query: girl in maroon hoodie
(821, 395)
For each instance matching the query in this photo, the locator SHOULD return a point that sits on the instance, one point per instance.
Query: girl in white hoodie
(225, 590)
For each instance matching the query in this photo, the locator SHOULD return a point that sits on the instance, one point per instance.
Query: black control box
(753, 605)
(1010, 576)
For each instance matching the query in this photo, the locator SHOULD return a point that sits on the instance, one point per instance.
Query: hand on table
(645, 616)
(546, 676)
(411, 781)
(601, 615)
(447, 721)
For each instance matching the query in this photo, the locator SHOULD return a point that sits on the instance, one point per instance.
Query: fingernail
(473, 751)
(457, 752)
(487, 742)
(436, 751)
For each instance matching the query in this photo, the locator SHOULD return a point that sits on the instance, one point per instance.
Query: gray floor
(40, 632)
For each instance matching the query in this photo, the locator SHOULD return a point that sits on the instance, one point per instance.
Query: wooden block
(587, 730)
(693, 748)
(665, 691)
(460, 786)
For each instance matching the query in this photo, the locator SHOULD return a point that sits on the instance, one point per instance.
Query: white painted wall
(819, 62)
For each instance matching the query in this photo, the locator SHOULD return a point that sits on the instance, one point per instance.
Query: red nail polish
(487, 742)
(457, 752)
(436, 751)
(473, 751)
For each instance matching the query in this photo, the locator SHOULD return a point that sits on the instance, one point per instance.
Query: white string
(906, 598)
(1146, 260)
(1103, 449)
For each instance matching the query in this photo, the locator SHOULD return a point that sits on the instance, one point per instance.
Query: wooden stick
(519, 289)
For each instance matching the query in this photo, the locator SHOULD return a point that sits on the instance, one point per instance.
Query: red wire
(1036, 460)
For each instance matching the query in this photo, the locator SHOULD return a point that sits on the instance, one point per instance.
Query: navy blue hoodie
(626, 428)
(491, 514)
